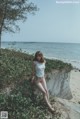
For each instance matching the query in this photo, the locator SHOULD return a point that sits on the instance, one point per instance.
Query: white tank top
(39, 67)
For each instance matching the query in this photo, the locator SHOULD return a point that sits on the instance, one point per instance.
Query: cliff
(59, 86)
(17, 93)
(58, 83)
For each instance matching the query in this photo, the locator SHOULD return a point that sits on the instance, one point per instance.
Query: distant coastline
(39, 42)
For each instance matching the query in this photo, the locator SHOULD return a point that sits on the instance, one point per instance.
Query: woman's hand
(32, 80)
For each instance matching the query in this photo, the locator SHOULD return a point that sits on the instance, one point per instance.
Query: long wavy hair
(39, 53)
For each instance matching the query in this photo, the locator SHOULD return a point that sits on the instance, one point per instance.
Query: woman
(38, 75)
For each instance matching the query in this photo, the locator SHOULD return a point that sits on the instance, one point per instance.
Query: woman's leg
(45, 95)
(45, 86)
(48, 103)
(39, 85)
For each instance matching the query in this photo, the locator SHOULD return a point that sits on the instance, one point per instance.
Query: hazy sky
(54, 22)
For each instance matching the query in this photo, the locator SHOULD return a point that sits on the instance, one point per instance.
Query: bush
(22, 103)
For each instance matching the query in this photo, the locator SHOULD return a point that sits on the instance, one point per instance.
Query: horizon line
(42, 42)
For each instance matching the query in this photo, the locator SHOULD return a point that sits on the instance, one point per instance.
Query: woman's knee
(44, 93)
(41, 87)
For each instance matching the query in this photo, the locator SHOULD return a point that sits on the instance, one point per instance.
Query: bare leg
(45, 95)
(45, 86)
(40, 87)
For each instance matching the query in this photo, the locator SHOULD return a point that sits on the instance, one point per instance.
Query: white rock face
(58, 83)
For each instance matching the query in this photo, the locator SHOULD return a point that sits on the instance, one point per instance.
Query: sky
(54, 22)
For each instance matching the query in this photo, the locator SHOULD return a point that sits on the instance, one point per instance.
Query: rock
(58, 83)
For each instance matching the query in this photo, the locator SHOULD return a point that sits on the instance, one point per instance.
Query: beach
(75, 85)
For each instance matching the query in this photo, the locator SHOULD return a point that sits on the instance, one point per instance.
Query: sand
(75, 85)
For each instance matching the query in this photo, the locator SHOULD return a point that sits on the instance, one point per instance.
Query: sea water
(67, 52)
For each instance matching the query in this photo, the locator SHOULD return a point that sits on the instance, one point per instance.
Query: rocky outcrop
(58, 83)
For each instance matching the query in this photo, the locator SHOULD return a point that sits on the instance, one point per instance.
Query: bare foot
(52, 110)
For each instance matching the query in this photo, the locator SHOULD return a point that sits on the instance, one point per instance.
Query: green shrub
(22, 103)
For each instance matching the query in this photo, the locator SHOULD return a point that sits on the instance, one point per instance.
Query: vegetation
(23, 103)
(57, 64)
(16, 66)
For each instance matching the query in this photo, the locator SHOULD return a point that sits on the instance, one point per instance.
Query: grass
(22, 103)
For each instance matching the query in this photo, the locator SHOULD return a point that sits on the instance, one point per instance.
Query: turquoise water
(68, 52)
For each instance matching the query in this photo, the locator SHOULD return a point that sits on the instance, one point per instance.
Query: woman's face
(38, 58)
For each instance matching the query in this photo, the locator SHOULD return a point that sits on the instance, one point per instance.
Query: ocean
(67, 52)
